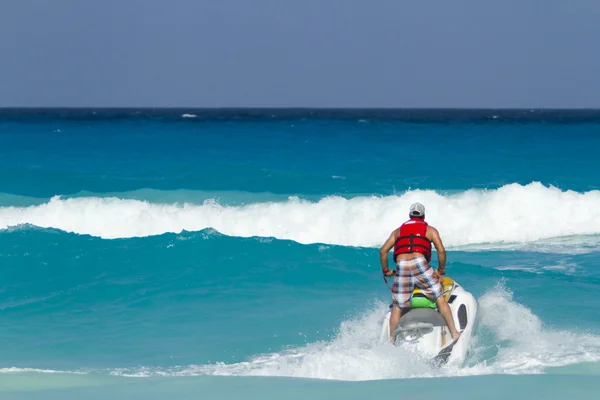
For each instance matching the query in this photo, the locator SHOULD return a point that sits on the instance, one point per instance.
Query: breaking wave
(512, 216)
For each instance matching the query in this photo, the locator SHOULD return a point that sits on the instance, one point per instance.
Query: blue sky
(311, 53)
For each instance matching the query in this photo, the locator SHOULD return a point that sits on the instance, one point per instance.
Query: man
(412, 253)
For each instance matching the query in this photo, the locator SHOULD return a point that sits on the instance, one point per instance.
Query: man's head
(417, 210)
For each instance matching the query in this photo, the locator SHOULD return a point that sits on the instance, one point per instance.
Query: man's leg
(395, 316)
(447, 314)
(402, 293)
(394, 321)
(431, 285)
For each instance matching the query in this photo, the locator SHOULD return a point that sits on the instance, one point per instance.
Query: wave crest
(511, 214)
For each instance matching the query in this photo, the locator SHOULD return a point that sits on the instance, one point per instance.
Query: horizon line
(294, 108)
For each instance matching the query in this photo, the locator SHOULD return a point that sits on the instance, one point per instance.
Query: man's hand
(389, 272)
(440, 275)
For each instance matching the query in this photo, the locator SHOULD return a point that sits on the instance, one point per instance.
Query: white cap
(417, 210)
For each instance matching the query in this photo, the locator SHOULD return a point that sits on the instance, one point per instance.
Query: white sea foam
(189, 116)
(566, 268)
(15, 370)
(509, 339)
(508, 217)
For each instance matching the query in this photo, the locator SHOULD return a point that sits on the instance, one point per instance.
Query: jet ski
(424, 329)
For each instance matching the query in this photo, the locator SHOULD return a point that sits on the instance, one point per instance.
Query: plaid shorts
(410, 272)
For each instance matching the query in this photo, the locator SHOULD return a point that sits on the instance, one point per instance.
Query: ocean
(234, 253)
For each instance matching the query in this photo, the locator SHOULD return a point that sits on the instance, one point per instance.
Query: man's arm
(383, 252)
(439, 246)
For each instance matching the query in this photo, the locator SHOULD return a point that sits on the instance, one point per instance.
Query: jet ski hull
(425, 330)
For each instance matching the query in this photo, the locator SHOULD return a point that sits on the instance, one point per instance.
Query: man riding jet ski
(429, 313)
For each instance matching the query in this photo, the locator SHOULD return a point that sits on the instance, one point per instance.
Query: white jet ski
(424, 328)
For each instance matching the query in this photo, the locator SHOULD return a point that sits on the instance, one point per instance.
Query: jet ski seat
(419, 300)
(418, 318)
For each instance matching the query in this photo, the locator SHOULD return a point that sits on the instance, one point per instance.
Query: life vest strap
(412, 245)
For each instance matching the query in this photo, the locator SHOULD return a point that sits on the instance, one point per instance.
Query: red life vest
(412, 239)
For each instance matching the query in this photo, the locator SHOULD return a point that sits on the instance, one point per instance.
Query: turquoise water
(234, 253)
